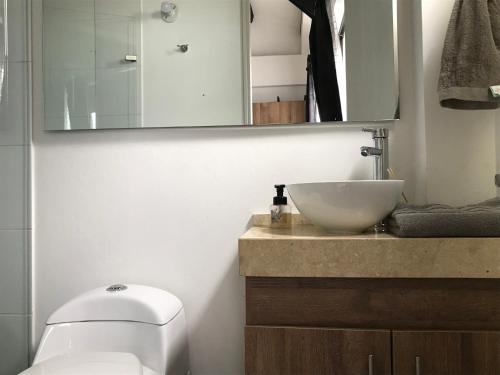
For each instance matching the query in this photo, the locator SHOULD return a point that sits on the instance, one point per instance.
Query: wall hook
(183, 47)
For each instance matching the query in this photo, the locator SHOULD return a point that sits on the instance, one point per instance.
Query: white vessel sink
(346, 206)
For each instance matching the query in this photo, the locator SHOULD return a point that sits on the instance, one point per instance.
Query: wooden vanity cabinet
(280, 351)
(446, 353)
(314, 326)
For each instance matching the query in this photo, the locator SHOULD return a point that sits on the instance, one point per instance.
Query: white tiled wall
(13, 270)
(15, 231)
(14, 343)
(13, 197)
(13, 115)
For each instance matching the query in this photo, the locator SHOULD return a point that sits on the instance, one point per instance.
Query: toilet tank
(145, 321)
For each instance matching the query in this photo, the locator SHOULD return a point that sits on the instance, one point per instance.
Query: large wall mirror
(189, 63)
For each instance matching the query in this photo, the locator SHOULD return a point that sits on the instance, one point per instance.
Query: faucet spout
(380, 152)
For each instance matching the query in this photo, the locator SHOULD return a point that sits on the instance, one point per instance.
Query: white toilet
(120, 330)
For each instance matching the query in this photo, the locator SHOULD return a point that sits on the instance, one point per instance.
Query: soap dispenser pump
(281, 213)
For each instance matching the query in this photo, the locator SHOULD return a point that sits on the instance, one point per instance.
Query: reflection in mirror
(92, 64)
(184, 63)
(127, 63)
(323, 61)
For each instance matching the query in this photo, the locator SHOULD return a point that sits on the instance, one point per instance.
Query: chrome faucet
(380, 152)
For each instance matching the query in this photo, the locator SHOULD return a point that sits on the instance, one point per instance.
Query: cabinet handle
(371, 359)
(418, 367)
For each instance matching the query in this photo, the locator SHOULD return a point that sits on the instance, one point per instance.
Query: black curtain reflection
(322, 60)
(306, 6)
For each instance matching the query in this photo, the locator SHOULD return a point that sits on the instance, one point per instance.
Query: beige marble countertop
(307, 251)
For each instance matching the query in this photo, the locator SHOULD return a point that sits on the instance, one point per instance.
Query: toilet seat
(90, 364)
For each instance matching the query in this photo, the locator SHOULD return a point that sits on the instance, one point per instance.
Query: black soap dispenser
(281, 213)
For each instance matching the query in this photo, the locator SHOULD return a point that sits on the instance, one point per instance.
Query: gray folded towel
(438, 220)
(471, 56)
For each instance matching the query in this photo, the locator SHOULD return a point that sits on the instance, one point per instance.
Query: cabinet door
(297, 351)
(446, 353)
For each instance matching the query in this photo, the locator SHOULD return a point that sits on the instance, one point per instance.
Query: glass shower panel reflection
(118, 63)
(69, 63)
(89, 81)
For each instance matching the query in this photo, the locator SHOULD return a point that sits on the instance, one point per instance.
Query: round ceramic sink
(346, 207)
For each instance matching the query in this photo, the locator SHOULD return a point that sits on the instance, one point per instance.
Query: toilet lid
(90, 364)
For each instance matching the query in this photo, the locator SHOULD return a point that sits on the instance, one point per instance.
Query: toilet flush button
(116, 288)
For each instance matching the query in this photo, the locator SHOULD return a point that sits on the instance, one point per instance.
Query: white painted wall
(280, 70)
(283, 75)
(276, 28)
(279, 74)
(165, 206)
